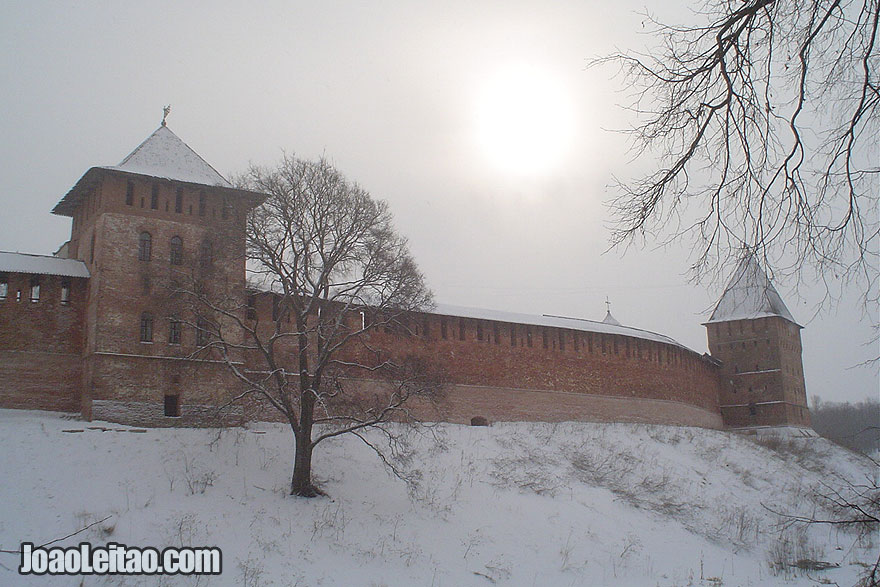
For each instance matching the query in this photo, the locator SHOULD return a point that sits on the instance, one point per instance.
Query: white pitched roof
(749, 294)
(164, 155)
(553, 321)
(41, 265)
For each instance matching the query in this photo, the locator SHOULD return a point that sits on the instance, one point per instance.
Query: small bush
(793, 554)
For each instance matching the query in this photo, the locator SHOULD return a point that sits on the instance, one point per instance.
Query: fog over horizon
(422, 105)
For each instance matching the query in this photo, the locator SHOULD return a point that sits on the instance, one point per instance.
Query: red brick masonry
(85, 354)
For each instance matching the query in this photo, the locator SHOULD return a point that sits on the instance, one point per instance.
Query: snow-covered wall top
(41, 265)
(553, 321)
(164, 155)
(749, 295)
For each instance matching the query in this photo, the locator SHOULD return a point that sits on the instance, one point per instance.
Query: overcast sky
(476, 121)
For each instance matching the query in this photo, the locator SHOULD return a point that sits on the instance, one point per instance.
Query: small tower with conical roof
(758, 343)
(609, 319)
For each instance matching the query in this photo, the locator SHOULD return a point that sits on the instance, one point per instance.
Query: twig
(83, 529)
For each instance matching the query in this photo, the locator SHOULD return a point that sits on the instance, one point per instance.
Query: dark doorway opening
(172, 407)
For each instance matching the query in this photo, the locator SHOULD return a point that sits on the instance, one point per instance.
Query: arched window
(35, 289)
(176, 250)
(145, 246)
(174, 331)
(146, 327)
(206, 254)
(203, 333)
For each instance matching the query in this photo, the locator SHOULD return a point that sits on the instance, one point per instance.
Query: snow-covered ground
(511, 504)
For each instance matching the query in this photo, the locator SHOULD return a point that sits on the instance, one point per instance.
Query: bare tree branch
(72, 534)
(763, 118)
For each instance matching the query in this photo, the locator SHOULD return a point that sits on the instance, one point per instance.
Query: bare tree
(763, 119)
(327, 258)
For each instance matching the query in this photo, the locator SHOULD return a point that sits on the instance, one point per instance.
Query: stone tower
(758, 343)
(144, 228)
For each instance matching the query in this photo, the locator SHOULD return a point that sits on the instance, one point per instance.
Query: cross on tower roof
(609, 319)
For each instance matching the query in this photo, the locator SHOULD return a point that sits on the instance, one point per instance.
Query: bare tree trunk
(301, 483)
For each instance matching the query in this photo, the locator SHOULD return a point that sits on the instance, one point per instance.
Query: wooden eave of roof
(757, 317)
(93, 176)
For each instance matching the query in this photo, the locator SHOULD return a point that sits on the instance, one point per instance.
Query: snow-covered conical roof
(164, 155)
(609, 319)
(749, 295)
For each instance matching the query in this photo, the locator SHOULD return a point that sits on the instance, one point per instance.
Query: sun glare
(524, 121)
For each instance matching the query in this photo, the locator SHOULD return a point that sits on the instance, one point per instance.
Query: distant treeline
(855, 426)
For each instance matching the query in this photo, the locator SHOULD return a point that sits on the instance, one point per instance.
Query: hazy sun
(524, 120)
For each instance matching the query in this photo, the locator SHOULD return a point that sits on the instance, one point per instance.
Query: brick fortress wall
(90, 352)
(90, 355)
(41, 342)
(516, 372)
(87, 353)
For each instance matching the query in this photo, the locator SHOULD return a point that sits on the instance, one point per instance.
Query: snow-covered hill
(511, 504)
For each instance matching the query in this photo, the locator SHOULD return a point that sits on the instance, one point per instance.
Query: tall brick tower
(143, 227)
(758, 343)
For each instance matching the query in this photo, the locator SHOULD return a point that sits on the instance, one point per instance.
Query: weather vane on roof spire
(166, 110)
(607, 305)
